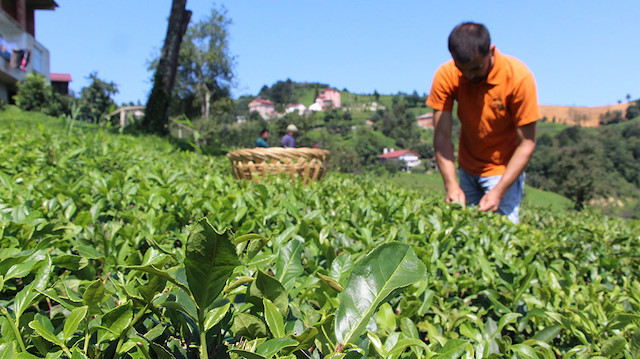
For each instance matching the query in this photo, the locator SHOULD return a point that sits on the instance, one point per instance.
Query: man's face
(477, 69)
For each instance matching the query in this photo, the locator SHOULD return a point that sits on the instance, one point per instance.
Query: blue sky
(582, 53)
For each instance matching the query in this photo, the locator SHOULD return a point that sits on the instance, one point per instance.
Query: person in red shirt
(498, 110)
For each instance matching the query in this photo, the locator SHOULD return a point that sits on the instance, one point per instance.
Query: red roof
(60, 77)
(262, 101)
(396, 154)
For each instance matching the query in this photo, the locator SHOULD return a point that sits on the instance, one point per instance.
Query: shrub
(35, 93)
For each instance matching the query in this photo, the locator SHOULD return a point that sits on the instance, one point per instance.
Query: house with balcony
(20, 53)
(327, 98)
(265, 108)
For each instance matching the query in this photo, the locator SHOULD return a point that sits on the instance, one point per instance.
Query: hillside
(114, 245)
(580, 116)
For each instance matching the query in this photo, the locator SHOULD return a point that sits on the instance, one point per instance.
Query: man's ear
(492, 49)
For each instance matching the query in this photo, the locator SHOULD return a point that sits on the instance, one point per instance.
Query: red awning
(60, 77)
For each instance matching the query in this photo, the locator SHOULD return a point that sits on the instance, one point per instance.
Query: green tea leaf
(248, 326)
(388, 267)
(613, 346)
(272, 347)
(215, 315)
(274, 318)
(247, 354)
(29, 293)
(268, 287)
(547, 334)
(72, 322)
(44, 332)
(289, 264)
(210, 259)
(117, 320)
(94, 295)
(452, 349)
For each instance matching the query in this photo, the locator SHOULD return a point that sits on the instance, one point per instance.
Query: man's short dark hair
(468, 39)
(264, 130)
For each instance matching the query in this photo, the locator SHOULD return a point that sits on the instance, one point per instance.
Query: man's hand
(490, 201)
(455, 194)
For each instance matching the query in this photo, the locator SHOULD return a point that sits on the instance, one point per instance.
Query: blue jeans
(475, 187)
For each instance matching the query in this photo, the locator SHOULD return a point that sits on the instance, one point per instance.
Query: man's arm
(444, 156)
(527, 137)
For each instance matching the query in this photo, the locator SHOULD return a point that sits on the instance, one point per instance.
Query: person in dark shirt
(288, 140)
(262, 140)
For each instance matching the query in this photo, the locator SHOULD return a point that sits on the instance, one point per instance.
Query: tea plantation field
(121, 246)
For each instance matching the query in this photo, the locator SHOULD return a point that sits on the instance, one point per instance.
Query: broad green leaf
(215, 315)
(154, 286)
(29, 293)
(274, 318)
(453, 349)
(8, 350)
(405, 343)
(25, 355)
(117, 320)
(268, 287)
(635, 344)
(77, 354)
(210, 259)
(388, 267)
(72, 322)
(94, 295)
(248, 326)
(71, 262)
(289, 264)
(507, 319)
(44, 332)
(247, 354)
(160, 351)
(21, 266)
(272, 347)
(386, 318)
(547, 334)
(613, 346)
(409, 328)
(525, 350)
(377, 344)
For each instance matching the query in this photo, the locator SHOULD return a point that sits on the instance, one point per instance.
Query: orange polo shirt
(489, 111)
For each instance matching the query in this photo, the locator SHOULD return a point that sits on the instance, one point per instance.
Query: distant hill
(582, 116)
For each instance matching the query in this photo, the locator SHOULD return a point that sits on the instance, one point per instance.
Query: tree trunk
(207, 104)
(156, 119)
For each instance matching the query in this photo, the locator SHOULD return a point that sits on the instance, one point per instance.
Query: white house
(316, 106)
(408, 157)
(300, 108)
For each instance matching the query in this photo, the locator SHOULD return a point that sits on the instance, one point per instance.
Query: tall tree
(156, 119)
(206, 68)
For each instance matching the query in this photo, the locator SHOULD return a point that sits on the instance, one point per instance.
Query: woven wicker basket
(304, 163)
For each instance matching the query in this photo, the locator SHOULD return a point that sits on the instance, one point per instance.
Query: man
(288, 140)
(498, 110)
(262, 140)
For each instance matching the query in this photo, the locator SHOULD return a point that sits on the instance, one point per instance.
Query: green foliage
(205, 66)
(633, 110)
(95, 101)
(105, 252)
(589, 164)
(35, 93)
